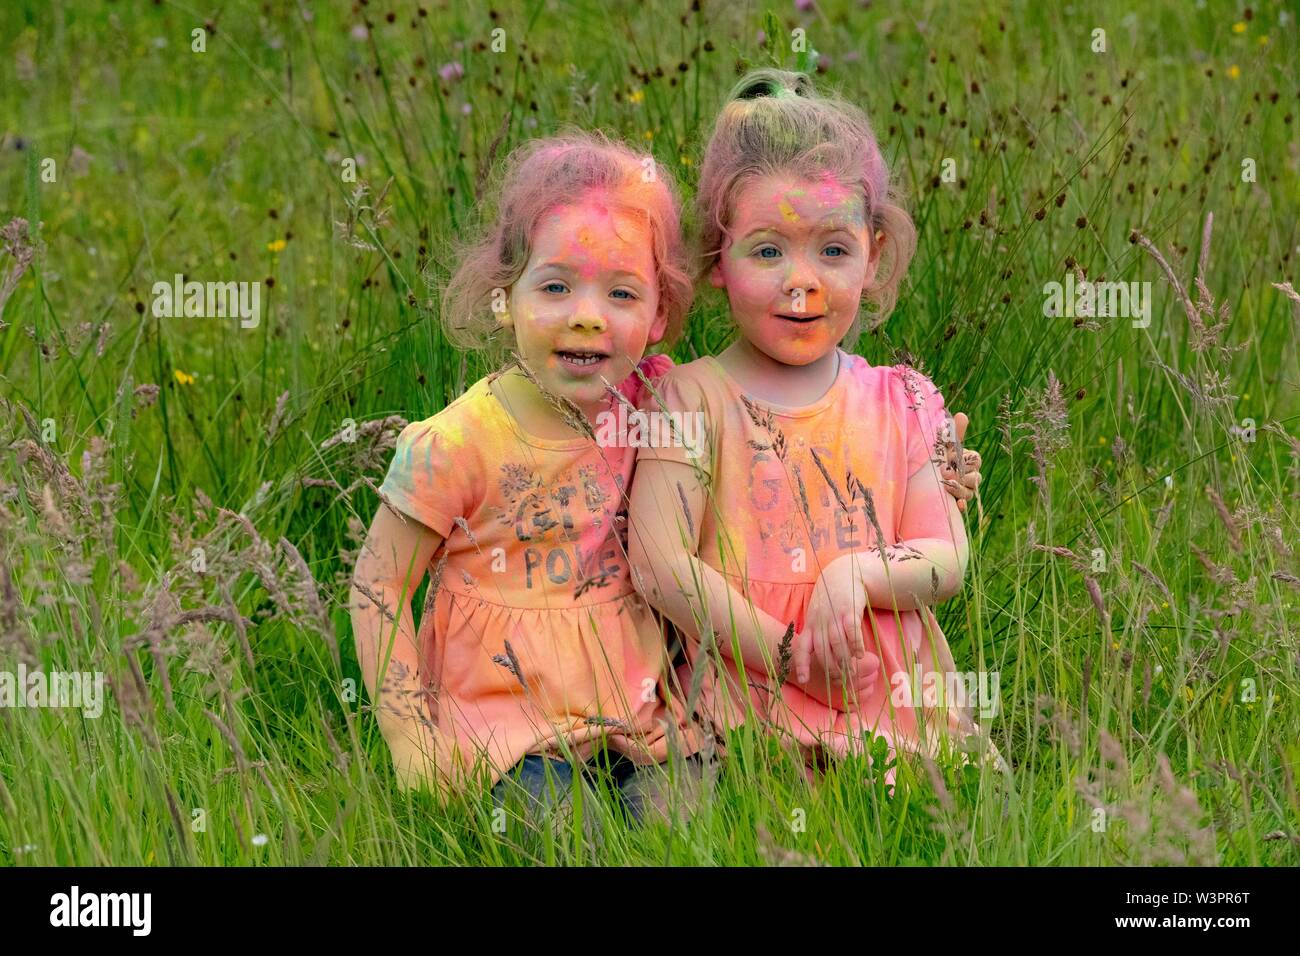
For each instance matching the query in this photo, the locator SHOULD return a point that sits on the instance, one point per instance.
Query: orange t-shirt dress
(780, 508)
(537, 641)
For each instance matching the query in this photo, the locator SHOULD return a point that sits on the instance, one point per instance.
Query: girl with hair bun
(801, 549)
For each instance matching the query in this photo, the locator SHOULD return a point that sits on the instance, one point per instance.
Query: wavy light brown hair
(537, 177)
(776, 122)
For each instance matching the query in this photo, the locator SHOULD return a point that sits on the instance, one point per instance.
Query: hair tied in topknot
(776, 84)
(761, 87)
(806, 135)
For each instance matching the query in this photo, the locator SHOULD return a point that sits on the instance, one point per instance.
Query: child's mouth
(801, 319)
(582, 361)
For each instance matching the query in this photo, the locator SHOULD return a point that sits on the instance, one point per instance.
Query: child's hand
(422, 757)
(839, 688)
(960, 473)
(831, 639)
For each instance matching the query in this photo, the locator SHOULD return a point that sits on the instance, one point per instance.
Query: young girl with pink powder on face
(534, 655)
(808, 536)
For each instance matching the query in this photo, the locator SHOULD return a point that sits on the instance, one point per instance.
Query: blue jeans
(548, 781)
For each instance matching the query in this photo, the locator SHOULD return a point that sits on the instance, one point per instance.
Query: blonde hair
(537, 177)
(776, 122)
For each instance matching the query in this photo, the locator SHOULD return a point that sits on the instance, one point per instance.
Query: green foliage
(1161, 691)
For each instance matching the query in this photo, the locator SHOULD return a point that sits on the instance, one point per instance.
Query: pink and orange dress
(785, 499)
(536, 641)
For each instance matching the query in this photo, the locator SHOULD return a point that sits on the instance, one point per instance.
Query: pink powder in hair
(555, 171)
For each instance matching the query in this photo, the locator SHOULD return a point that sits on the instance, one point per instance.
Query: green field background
(1149, 716)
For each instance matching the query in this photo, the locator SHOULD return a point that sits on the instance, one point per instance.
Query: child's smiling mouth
(801, 319)
(581, 361)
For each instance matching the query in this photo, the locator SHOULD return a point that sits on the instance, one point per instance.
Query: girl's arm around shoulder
(648, 375)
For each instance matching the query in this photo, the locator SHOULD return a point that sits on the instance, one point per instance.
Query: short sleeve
(925, 417)
(424, 479)
(677, 424)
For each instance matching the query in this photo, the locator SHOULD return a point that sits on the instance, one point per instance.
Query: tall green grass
(1166, 697)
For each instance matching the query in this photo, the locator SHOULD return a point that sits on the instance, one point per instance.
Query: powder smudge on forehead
(846, 205)
(825, 200)
(589, 248)
(785, 205)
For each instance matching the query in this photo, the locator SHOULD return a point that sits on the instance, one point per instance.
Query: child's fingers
(822, 648)
(843, 645)
(852, 646)
(865, 670)
(838, 644)
(801, 654)
(853, 628)
(957, 488)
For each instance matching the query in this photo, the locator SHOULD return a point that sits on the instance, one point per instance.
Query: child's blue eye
(558, 288)
(624, 294)
(835, 251)
(763, 252)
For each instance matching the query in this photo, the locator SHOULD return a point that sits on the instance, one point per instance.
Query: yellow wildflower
(276, 246)
(184, 378)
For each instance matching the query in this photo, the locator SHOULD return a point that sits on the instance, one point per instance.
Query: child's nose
(801, 275)
(587, 317)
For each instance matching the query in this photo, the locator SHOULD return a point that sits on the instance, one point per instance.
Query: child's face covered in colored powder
(794, 265)
(587, 303)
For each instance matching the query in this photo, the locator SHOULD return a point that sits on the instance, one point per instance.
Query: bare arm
(928, 563)
(925, 566)
(391, 565)
(666, 506)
